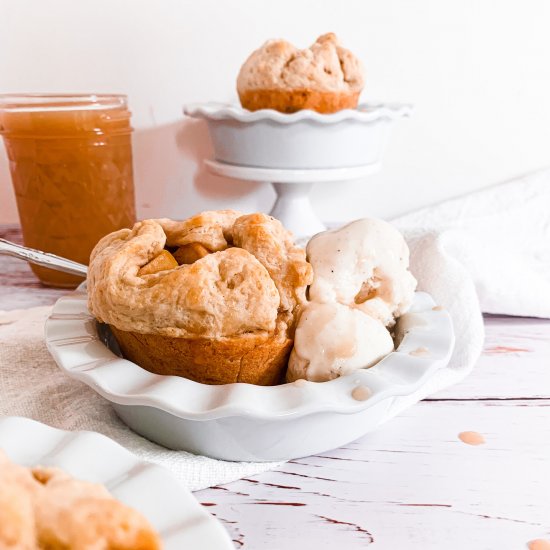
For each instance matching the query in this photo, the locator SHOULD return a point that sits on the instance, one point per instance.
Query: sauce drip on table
(472, 438)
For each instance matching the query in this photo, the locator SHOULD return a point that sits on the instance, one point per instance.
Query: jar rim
(61, 101)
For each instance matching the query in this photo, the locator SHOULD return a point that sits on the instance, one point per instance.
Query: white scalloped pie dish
(172, 510)
(242, 421)
(302, 140)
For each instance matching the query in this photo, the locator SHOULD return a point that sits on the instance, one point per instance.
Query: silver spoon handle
(45, 259)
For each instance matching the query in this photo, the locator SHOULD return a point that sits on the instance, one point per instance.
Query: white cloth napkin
(490, 248)
(487, 251)
(500, 235)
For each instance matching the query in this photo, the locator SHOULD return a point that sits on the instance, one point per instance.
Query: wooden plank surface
(19, 288)
(412, 484)
(515, 363)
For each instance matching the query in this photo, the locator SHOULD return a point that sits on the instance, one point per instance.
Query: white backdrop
(477, 71)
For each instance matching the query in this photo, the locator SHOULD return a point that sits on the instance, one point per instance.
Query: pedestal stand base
(292, 206)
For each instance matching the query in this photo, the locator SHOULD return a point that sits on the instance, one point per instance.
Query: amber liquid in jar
(71, 166)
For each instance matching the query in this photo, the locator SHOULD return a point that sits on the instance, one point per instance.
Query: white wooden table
(412, 484)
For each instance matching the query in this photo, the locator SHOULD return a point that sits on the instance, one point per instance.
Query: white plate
(172, 510)
(302, 140)
(243, 421)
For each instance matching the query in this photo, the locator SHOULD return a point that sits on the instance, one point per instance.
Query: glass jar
(70, 160)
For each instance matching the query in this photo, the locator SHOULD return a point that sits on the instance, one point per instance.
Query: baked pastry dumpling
(46, 508)
(80, 515)
(325, 77)
(226, 314)
(17, 491)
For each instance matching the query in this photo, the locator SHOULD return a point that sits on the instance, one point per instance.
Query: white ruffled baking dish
(242, 421)
(302, 140)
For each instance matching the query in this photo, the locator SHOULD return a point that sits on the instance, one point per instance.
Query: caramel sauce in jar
(71, 166)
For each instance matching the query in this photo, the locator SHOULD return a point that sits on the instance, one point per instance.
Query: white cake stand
(292, 206)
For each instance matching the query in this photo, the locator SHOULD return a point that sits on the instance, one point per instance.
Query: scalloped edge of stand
(365, 112)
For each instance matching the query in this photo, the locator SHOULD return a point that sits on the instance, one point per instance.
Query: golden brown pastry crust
(269, 242)
(239, 289)
(17, 492)
(291, 101)
(212, 229)
(76, 514)
(255, 358)
(324, 77)
(47, 508)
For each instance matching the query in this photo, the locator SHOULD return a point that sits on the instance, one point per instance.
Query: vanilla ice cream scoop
(332, 340)
(363, 265)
